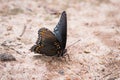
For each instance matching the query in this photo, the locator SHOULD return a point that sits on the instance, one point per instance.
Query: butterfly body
(52, 43)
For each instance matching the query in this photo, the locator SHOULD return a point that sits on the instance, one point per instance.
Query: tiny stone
(86, 51)
(103, 70)
(7, 57)
(61, 72)
(112, 78)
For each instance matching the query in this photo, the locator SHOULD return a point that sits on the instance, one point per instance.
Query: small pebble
(61, 72)
(7, 57)
(86, 51)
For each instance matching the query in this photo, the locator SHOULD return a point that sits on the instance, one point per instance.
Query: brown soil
(96, 23)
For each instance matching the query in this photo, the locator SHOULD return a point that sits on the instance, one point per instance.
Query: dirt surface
(96, 23)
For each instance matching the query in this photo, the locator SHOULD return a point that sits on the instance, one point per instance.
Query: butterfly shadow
(52, 63)
(52, 59)
(42, 58)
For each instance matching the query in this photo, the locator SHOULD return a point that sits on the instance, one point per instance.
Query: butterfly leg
(68, 56)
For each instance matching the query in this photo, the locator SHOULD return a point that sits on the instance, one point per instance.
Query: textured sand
(96, 23)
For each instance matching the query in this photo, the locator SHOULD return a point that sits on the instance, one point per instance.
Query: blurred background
(96, 23)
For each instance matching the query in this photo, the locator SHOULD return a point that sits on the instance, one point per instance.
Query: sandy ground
(96, 23)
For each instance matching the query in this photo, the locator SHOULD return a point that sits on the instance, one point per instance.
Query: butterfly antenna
(73, 43)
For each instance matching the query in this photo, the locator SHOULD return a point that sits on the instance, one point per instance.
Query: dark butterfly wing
(47, 43)
(60, 30)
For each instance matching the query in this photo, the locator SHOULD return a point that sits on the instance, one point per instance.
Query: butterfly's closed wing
(60, 30)
(47, 43)
(52, 44)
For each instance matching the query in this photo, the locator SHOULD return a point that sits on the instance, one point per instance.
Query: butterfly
(52, 43)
